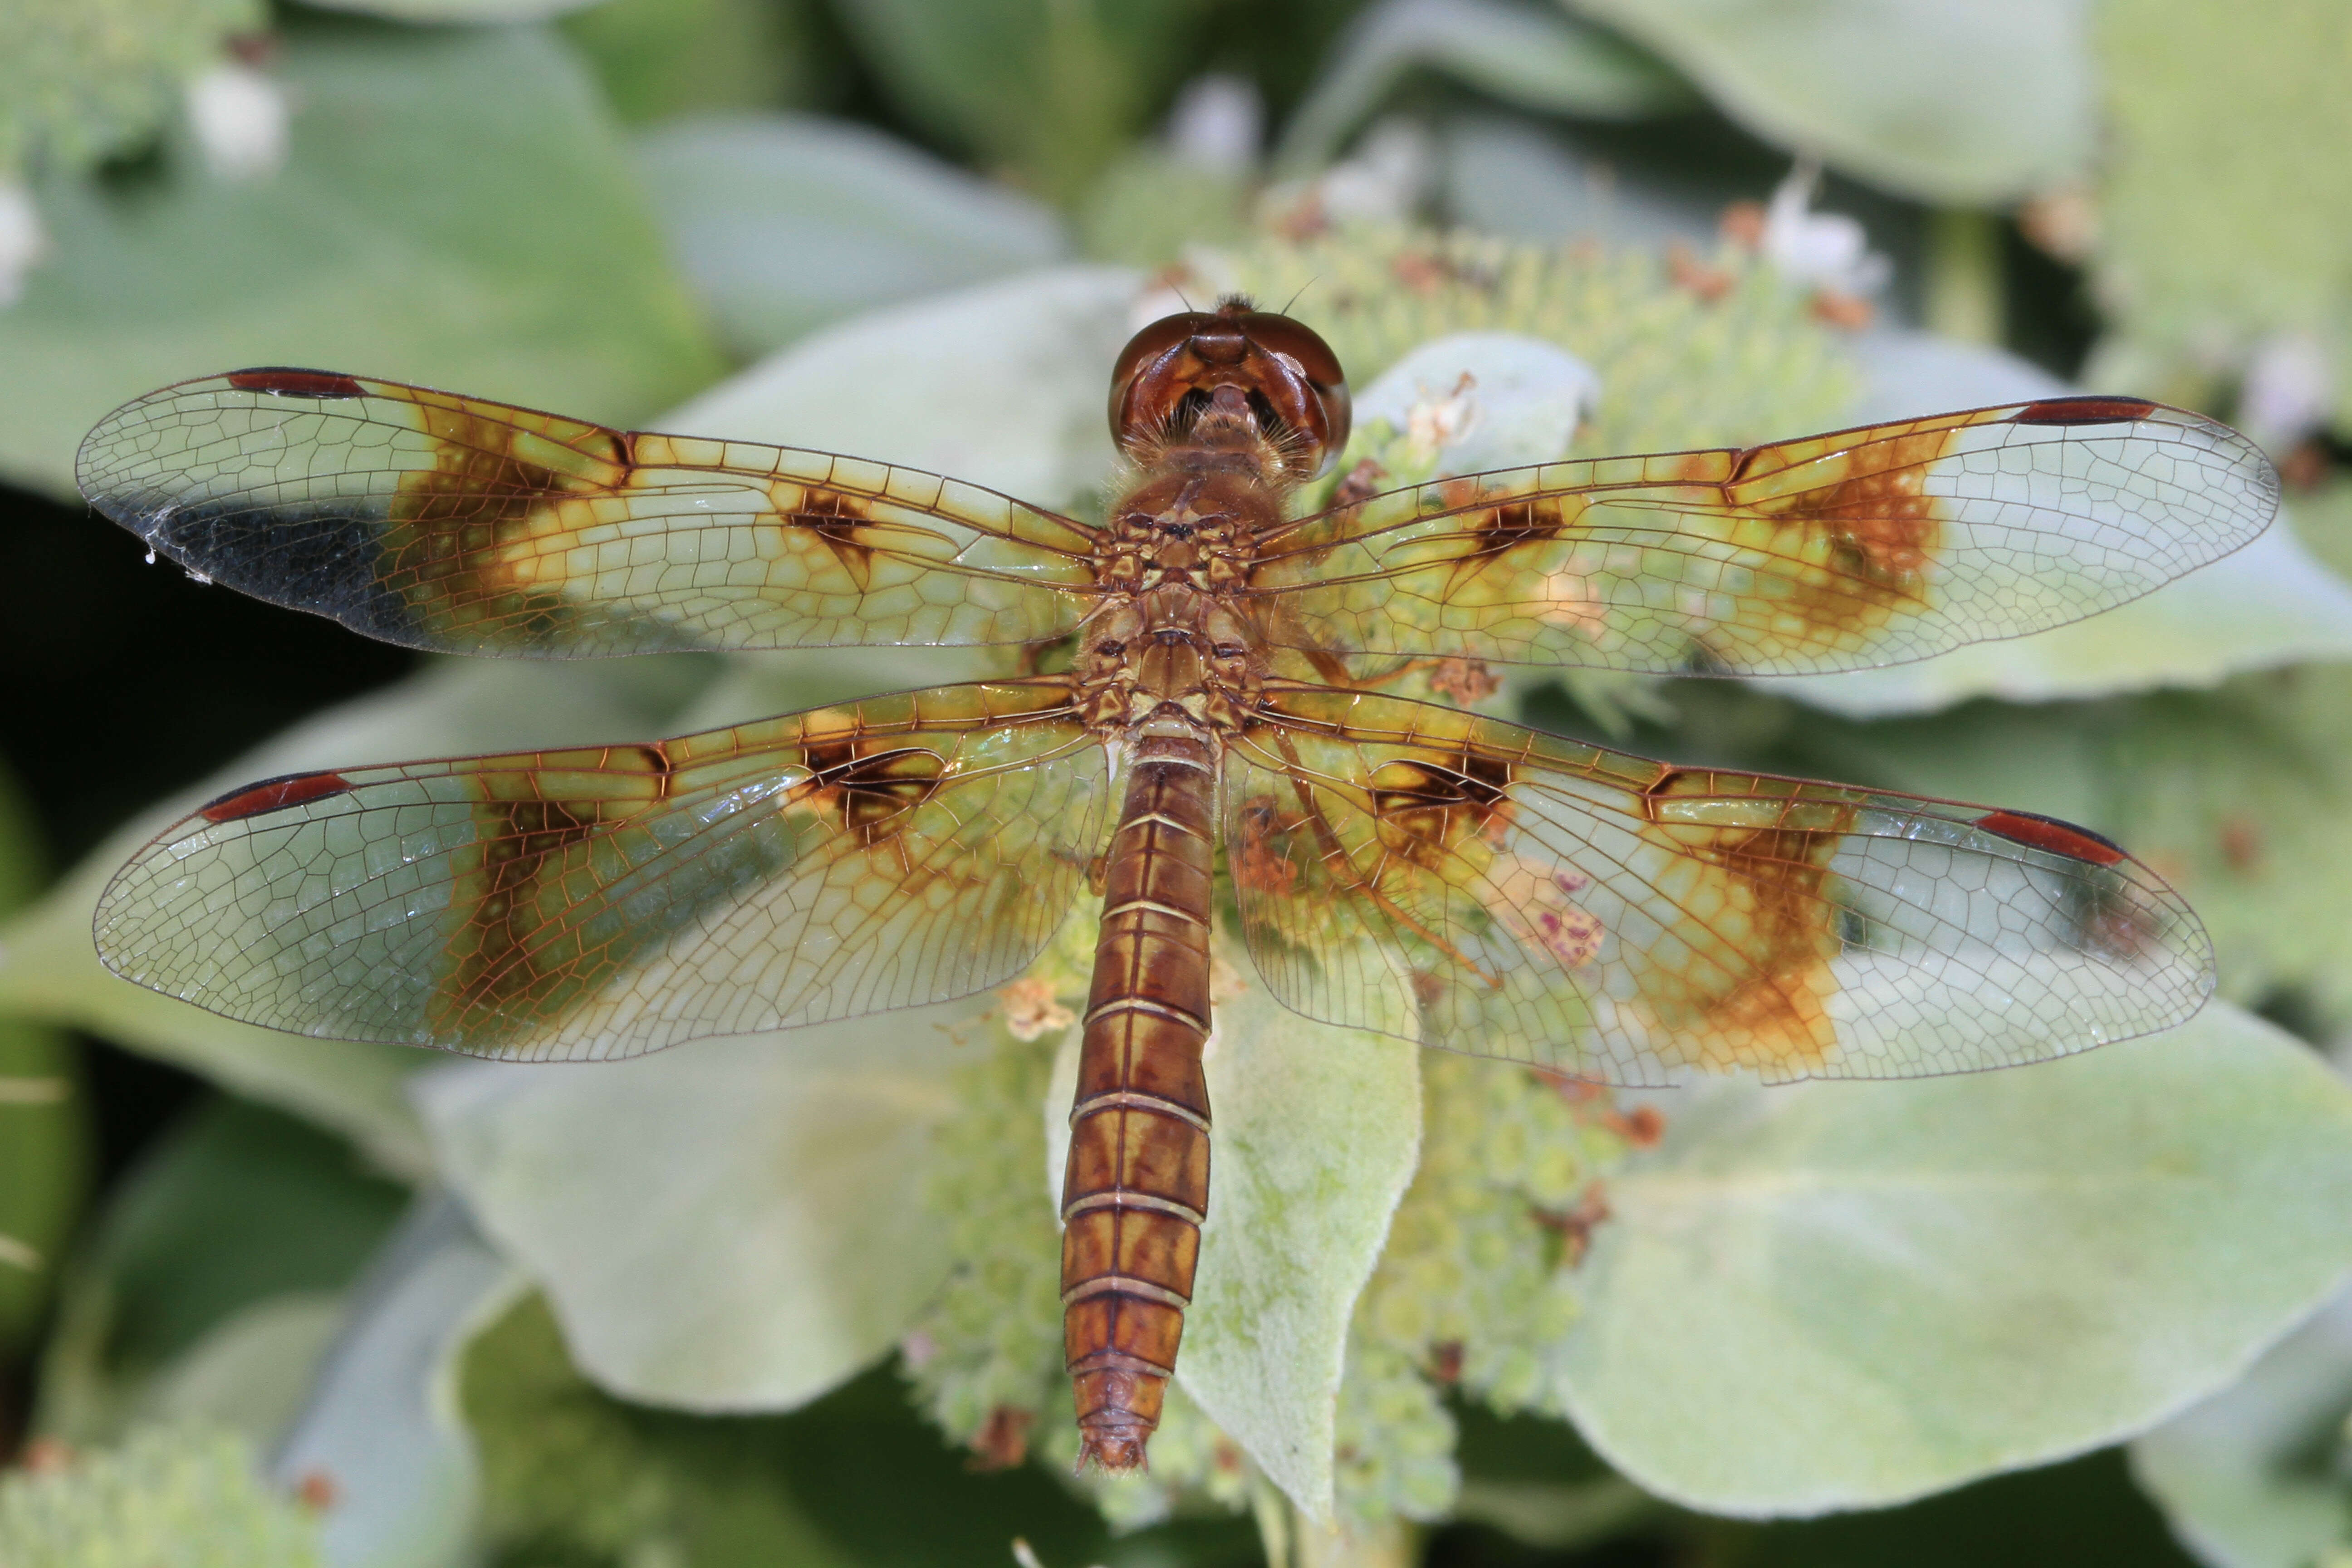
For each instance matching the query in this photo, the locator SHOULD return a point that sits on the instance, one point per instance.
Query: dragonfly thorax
(1171, 650)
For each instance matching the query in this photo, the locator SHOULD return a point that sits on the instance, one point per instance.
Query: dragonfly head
(1286, 390)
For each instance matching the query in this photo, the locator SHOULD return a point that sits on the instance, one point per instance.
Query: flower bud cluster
(1477, 1280)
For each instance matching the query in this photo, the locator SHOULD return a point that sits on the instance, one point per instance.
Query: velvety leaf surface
(1046, 87)
(1318, 1133)
(2213, 232)
(383, 1429)
(2253, 1478)
(458, 210)
(1954, 105)
(787, 222)
(1523, 55)
(731, 1225)
(1844, 1296)
(1001, 383)
(237, 1208)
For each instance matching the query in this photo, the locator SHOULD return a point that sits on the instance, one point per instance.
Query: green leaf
(238, 1205)
(1001, 384)
(732, 1225)
(570, 1473)
(2084, 1514)
(1154, 202)
(1469, 401)
(84, 78)
(1319, 1132)
(787, 222)
(1535, 59)
(1047, 89)
(250, 1373)
(660, 58)
(1974, 105)
(2254, 1477)
(2215, 229)
(1846, 1295)
(49, 969)
(382, 1430)
(44, 1134)
(458, 210)
(491, 11)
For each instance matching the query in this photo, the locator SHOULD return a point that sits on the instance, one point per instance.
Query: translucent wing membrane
(1863, 547)
(459, 525)
(608, 901)
(1481, 886)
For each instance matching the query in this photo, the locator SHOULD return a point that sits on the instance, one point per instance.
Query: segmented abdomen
(1137, 1186)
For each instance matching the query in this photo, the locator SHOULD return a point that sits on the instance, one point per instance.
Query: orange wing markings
(1857, 547)
(1626, 919)
(1749, 966)
(457, 524)
(610, 900)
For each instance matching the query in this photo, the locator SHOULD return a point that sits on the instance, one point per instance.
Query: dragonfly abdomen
(1135, 1190)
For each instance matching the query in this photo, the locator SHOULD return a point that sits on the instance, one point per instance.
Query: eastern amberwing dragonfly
(1391, 863)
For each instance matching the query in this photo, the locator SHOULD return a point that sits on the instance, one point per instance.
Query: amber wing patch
(610, 900)
(1837, 551)
(1491, 889)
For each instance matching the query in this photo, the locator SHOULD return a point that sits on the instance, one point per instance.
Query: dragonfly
(1204, 730)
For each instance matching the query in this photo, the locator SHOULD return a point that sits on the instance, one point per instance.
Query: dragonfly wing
(1476, 885)
(468, 526)
(1863, 547)
(608, 901)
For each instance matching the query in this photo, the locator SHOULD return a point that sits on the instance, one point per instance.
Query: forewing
(1461, 881)
(608, 901)
(471, 527)
(1863, 547)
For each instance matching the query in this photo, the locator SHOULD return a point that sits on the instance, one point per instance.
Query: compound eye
(1297, 342)
(1303, 351)
(1154, 340)
(1134, 408)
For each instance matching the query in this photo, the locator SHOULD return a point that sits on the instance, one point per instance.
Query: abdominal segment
(1137, 1187)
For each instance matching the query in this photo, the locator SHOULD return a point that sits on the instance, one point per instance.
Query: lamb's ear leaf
(1968, 107)
(525, 267)
(731, 1225)
(1845, 1295)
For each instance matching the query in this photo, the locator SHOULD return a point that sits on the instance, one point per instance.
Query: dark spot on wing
(2085, 410)
(273, 795)
(283, 380)
(2049, 833)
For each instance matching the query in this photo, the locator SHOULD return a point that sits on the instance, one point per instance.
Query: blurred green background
(267, 1300)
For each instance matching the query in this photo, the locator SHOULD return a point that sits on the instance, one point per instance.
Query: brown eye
(1152, 341)
(1295, 341)
(1228, 650)
(1110, 649)
(1301, 350)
